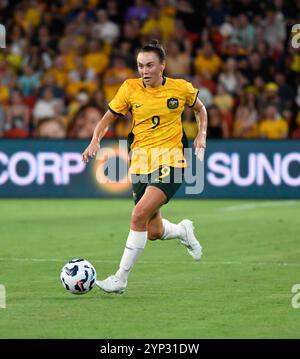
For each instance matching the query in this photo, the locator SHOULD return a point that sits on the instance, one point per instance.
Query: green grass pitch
(240, 289)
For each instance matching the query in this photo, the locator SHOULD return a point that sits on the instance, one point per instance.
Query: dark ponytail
(155, 46)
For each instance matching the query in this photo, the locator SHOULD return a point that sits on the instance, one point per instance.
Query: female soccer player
(157, 155)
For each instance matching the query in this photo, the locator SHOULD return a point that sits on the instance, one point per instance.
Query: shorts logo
(172, 103)
(165, 171)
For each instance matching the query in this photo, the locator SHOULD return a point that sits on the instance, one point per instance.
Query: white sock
(172, 230)
(135, 244)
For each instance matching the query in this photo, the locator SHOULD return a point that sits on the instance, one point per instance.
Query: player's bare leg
(161, 228)
(148, 205)
(155, 227)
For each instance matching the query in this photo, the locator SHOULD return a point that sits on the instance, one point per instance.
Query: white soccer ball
(78, 276)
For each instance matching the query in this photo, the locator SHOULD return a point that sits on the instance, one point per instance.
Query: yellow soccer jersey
(156, 138)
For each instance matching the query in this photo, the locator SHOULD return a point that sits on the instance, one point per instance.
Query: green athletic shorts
(168, 179)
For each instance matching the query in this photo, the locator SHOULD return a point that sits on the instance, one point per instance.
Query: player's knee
(139, 217)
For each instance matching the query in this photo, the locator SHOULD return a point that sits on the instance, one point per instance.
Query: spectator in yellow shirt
(60, 72)
(82, 79)
(95, 59)
(115, 76)
(178, 62)
(207, 61)
(4, 94)
(223, 99)
(273, 127)
(159, 21)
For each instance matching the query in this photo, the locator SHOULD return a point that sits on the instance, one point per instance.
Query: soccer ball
(78, 276)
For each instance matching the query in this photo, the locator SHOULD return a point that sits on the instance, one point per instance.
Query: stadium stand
(65, 59)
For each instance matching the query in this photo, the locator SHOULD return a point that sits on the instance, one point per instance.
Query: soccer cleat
(190, 241)
(112, 284)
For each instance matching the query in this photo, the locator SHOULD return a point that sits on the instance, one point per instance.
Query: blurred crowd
(65, 59)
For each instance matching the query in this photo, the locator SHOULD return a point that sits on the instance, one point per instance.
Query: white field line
(256, 205)
(280, 264)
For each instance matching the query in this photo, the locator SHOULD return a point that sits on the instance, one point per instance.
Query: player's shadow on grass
(91, 298)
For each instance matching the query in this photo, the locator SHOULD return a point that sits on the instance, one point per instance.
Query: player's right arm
(117, 107)
(98, 134)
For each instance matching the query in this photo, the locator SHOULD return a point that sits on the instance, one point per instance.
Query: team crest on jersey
(172, 103)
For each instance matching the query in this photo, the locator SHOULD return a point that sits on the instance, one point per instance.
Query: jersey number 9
(156, 121)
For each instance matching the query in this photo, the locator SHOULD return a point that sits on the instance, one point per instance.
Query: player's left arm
(201, 118)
